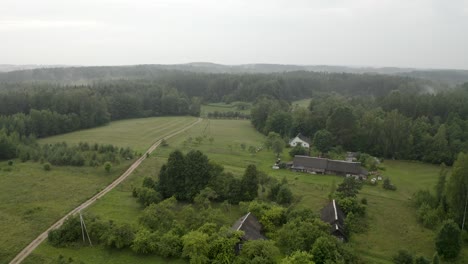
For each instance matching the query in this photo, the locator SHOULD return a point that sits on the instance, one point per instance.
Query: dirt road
(36, 242)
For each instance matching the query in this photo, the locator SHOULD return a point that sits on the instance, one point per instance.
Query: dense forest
(86, 75)
(401, 125)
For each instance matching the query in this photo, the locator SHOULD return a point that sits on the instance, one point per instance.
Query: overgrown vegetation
(200, 233)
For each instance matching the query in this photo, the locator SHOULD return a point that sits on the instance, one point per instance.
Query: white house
(300, 140)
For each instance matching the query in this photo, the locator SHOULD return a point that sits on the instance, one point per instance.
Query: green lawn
(33, 199)
(221, 107)
(138, 134)
(304, 103)
(392, 220)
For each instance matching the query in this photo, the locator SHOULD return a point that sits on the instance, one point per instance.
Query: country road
(36, 242)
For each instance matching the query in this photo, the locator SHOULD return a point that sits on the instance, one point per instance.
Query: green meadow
(391, 219)
(222, 107)
(137, 134)
(33, 199)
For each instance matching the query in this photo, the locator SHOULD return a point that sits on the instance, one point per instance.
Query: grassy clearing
(304, 103)
(221, 107)
(33, 199)
(392, 221)
(138, 134)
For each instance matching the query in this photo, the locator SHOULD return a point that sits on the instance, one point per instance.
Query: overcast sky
(403, 33)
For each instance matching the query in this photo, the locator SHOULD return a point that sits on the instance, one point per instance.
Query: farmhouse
(327, 166)
(333, 215)
(300, 140)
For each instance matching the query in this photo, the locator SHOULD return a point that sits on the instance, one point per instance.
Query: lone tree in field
(107, 166)
(275, 143)
(448, 241)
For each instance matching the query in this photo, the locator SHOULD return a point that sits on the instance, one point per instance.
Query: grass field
(138, 134)
(221, 107)
(33, 199)
(304, 103)
(392, 220)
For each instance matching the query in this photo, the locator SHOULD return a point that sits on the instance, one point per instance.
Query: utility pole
(84, 230)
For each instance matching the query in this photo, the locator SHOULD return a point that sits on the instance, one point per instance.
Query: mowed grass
(221, 107)
(138, 134)
(33, 199)
(391, 218)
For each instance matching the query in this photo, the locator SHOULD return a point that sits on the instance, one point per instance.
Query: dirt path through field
(36, 242)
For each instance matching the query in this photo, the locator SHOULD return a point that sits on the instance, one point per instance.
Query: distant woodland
(383, 115)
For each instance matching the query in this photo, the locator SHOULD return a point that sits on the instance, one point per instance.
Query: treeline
(111, 100)
(61, 154)
(39, 110)
(287, 86)
(228, 115)
(245, 87)
(430, 128)
(444, 208)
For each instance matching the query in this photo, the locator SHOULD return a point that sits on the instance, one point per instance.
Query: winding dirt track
(36, 242)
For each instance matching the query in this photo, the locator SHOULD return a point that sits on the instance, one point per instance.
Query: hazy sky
(404, 33)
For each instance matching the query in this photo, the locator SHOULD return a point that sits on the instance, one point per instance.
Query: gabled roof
(302, 137)
(306, 162)
(301, 162)
(333, 215)
(344, 166)
(251, 227)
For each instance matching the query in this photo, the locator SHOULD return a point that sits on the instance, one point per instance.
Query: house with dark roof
(328, 166)
(333, 215)
(251, 227)
(300, 140)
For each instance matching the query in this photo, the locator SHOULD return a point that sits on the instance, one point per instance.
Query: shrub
(10, 163)
(364, 200)
(107, 166)
(46, 166)
(387, 185)
(68, 233)
(422, 260)
(403, 257)
(119, 236)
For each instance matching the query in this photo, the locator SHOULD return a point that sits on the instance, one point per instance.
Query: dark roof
(251, 227)
(333, 215)
(304, 138)
(309, 162)
(306, 162)
(344, 166)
